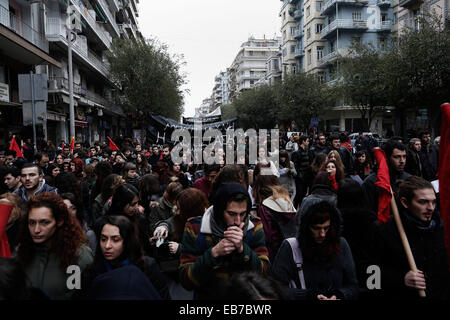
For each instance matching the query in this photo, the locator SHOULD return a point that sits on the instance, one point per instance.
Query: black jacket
(413, 164)
(302, 163)
(428, 249)
(430, 162)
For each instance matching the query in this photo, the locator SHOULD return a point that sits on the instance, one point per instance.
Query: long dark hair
(287, 162)
(148, 187)
(132, 249)
(76, 202)
(122, 196)
(319, 213)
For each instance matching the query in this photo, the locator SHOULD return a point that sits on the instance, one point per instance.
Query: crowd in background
(140, 225)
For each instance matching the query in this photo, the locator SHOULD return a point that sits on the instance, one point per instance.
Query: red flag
(383, 182)
(72, 144)
(112, 145)
(5, 212)
(14, 146)
(444, 173)
(63, 145)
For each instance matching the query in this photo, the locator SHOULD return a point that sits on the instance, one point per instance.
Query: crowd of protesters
(135, 224)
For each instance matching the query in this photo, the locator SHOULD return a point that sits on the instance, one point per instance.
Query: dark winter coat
(430, 162)
(428, 248)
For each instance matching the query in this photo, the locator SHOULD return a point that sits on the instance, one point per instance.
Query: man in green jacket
(224, 241)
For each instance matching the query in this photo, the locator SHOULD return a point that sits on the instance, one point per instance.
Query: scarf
(218, 228)
(110, 267)
(419, 224)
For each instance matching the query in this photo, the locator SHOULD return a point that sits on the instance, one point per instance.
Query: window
(309, 56)
(321, 77)
(292, 49)
(319, 53)
(308, 33)
(293, 31)
(284, 52)
(383, 17)
(395, 18)
(319, 27)
(318, 6)
(356, 16)
(250, 53)
(308, 12)
(332, 47)
(284, 34)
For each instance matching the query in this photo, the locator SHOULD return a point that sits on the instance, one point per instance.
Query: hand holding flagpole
(405, 242)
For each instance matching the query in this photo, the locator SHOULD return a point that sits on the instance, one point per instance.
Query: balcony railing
(330, 3)
(384, 3)
(57, 31)
(330, 57)
(386, 25)
(111, 18)
(15, 24)
(343, 24)
(298, 14)
(61, 83)
(114, 5)
(83, 11)
(299, 52)
(298, 33)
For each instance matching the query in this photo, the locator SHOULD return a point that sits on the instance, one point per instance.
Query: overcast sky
(209, 33)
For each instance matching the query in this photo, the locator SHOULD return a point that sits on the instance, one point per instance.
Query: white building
(221, 89)
(249, 66)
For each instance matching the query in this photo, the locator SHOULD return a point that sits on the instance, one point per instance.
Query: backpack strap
(298, 259)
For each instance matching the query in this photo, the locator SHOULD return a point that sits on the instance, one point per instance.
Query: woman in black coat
(118, 247)
(328, 266)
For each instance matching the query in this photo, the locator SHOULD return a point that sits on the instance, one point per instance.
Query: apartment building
(313, 41)
(406, 12)
(249, 66)
(96, 115)
(221, 90)
(24, 49)
(288, 37)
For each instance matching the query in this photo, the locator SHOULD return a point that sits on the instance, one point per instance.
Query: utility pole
(73, 27)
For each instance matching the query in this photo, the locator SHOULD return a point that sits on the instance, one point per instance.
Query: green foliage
(149, 77)
(257, 108)
(363, 82)
(228, 111)
(301, 97)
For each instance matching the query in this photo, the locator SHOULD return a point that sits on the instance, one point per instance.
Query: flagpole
(405, 242)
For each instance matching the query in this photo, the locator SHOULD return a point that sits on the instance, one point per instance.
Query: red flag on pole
(14, 146)
(383, 182)
(112, 145)
(444, 174)
(72, 144)
(62, 146)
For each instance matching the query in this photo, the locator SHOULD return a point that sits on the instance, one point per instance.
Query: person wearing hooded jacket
(227, 239)
(425, 232)
(328, 266)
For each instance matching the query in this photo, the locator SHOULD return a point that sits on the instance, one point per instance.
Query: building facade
(249, 66)
(35, 39)
(288, 37)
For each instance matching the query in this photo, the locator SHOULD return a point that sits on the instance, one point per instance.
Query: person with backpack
(277, 213)
(317, 264)
(226, 240)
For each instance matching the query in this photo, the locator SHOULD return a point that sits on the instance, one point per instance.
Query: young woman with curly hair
(335, 172)
(50, 241)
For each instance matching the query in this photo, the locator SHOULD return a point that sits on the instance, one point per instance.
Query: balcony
(386, 25)
(298, 33)
(384, 3)
(57, 32)
(298, 14)
(328, 5)
(332, 56)
(349, 24)
(110, 16)
(114, 4)
(15, 24)
(299, 53)
(101, 34)
(409, 3)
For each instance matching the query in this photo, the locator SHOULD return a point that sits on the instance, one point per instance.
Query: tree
(228, 111)
(257, 108)
(418, 68)
(301, 97)
(363, 81)
(149, 77)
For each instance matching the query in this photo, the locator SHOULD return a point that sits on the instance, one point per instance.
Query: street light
(73, 27)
